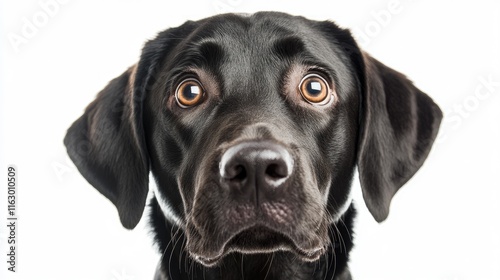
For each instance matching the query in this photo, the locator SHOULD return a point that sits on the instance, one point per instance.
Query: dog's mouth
(259, 240)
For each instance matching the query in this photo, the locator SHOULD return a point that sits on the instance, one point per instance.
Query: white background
(444, 224)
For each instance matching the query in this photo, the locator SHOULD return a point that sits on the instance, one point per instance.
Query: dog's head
(252, 127)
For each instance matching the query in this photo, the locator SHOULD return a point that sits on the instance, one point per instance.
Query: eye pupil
(191, 92)
(314, 88)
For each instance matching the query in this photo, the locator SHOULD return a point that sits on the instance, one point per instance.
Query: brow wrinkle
(289, 47)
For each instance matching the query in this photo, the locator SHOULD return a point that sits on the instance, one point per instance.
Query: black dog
(252, 127)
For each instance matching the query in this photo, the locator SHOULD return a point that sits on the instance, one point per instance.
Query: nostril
(240, 173)
(234, 172)
(276, 171)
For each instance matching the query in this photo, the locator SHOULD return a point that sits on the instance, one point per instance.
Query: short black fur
(176, 264)
(254, 181)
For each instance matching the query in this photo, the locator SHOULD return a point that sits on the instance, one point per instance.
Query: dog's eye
(315, 90)
(189, 93)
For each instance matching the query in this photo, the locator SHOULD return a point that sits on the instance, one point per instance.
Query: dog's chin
(262, 240)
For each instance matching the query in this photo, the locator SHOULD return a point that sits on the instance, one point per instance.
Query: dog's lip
(208, 261)
(236, 244)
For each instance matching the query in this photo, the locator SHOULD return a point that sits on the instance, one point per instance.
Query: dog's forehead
(261, 35)
(256, 50)
(240, 26)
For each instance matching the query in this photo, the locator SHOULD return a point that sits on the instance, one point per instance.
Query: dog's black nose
(255, 166)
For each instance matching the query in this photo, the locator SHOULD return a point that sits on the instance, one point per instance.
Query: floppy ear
(399, 125)
(106, 146)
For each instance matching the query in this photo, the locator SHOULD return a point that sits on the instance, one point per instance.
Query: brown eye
(315, 90)
(189, 93)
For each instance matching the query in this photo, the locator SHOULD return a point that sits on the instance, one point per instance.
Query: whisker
(333, 261)
(270, 264)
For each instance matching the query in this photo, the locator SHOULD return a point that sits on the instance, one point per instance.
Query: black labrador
(252, 126)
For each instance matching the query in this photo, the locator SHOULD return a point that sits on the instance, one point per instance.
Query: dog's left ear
(399, 125)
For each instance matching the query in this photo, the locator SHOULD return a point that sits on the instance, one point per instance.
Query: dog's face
(262, 131)
(252, 127)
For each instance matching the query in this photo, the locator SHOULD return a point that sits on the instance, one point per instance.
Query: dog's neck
(175, 263)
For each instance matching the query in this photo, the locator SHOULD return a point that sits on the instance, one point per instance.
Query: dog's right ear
(105, 145)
